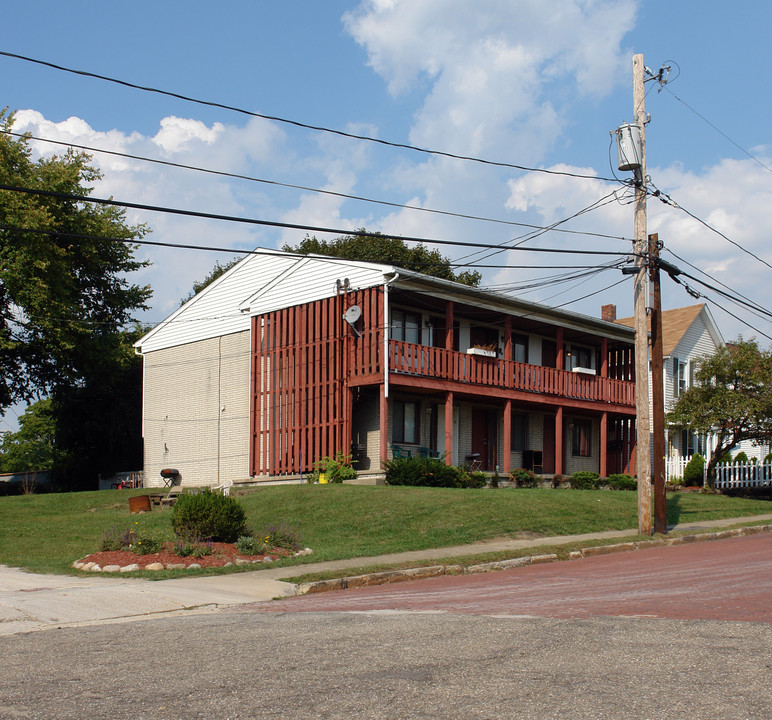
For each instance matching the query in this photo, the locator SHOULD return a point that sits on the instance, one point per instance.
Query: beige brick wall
(196, 411)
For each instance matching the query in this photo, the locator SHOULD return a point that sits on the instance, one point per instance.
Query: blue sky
(520, 81)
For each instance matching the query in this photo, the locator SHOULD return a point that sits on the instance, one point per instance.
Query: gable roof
(675, 324)
(272, 279)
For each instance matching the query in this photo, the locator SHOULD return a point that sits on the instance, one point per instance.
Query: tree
(731, 399)
(31, 447)
(378, 248)
(64, 292)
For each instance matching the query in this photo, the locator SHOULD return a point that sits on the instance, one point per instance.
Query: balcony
(449, 365)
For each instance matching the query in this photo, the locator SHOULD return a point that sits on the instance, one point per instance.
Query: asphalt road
(722, 580)
(468, 662)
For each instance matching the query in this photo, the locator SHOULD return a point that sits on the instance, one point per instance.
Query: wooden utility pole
(657, 391)
(643, 463)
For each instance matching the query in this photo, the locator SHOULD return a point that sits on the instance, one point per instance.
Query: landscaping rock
(130, 568)
(194, 566)
(155, 566)
(176, 566)
(111, 568)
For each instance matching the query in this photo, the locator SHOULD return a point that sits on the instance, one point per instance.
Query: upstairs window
(680, 377)
(520, 348)
(405, 326)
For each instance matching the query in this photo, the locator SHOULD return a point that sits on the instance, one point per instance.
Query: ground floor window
(581, 437)
(519, 432)
(405, 422)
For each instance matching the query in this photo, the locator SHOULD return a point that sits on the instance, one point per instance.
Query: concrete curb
(392, 576)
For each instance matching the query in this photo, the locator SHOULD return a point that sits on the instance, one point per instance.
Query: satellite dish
(352, 314)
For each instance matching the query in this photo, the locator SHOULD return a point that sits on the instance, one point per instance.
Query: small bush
(741, 457)
(524, 478)
(281, 535)
(767, 459)
(495, 479)
(694, 473)
(423, 471)
(209, 516)
(143, 544)
(336, 469)
(558, 481)
(585, 480)
(193, 548)
(472, 479)
(248, 545)
(621, 482)
(116, 538)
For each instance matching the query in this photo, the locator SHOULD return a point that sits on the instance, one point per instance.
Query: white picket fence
(728, 475)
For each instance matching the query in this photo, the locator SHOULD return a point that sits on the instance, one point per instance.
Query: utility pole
(643, 462)
(657, 391)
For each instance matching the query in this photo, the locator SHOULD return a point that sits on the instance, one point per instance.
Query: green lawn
(46, 533)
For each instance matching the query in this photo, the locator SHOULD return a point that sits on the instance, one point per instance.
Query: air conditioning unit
(584, 371)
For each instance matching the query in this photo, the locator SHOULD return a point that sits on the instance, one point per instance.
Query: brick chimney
(608, 312)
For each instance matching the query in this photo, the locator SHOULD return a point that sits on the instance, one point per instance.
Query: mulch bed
(223, 553)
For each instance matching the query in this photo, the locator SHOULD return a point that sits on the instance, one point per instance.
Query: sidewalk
(30, 602)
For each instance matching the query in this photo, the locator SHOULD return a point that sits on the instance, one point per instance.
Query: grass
(46, 533)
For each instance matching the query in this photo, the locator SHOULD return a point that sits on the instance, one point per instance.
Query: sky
(522, 82)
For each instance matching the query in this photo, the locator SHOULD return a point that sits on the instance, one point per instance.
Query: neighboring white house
(687, 334)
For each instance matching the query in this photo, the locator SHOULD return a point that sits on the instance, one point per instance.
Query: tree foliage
(64, 290)
(731, 398)
(31, 447)
(378, 248)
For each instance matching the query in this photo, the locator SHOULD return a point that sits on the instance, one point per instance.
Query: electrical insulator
(629, 146)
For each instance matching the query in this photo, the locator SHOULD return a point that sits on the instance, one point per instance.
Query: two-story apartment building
(286, 359)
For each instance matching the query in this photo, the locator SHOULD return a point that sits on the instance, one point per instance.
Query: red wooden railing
(425, 361)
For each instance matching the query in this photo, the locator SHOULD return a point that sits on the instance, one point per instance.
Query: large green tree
(65, 292)
(731, 398)
(31, 447)
(378, 248)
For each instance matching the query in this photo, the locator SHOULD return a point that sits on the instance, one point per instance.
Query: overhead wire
(277, 224)
(332, 193)
(296, 123)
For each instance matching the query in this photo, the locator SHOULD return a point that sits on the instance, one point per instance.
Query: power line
(717, 129)
(347, 196)
(276, 224)
(305, 126)
(668, 200)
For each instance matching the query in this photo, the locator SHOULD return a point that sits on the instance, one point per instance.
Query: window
(405, 326)
(578, 357)
(680, 376)
(520, 348)
(519, 433)
(405, 422)
(581, 438)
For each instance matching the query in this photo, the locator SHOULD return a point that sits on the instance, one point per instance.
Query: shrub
(558, 480)
(193, 548)
(143, 544)
(248, 545)
(495, 479)
(209, 516)
(622, 482)
(585, 480)
(423, 471)
(741, 457)
(767, 459)
(281, 535)
(116, 538)
(694, 473)
(336, 469)
(472, 479)
(524, 478)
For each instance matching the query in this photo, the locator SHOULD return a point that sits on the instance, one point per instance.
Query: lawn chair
(397, 451)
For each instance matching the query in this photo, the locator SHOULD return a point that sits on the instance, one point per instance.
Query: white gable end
(311, 279)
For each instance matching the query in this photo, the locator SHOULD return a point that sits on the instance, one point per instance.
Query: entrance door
(484, 437)
(549, 444)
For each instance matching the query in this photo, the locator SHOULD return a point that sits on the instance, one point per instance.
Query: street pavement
(30, 602)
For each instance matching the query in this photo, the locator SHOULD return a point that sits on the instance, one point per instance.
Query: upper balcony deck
(449, 365)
